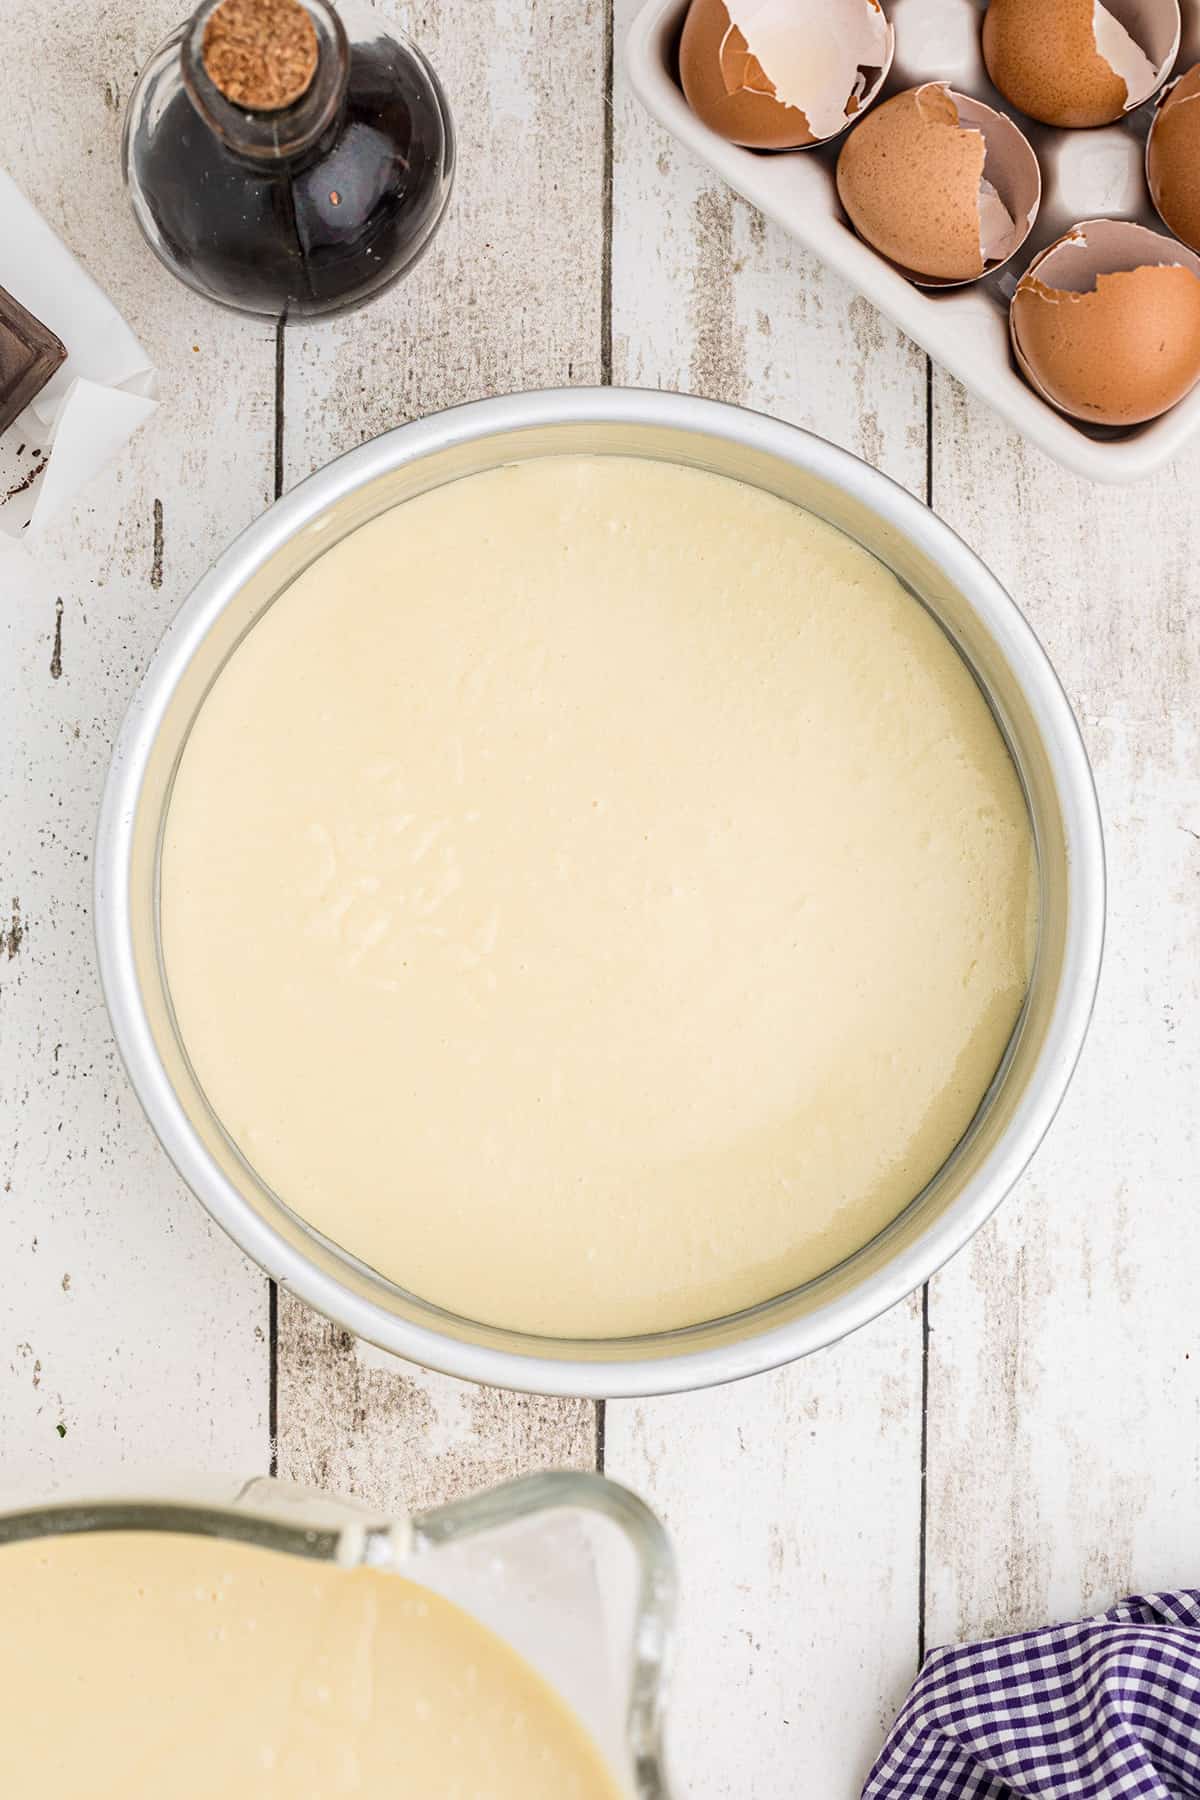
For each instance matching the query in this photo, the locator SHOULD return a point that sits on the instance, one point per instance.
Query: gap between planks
(606, 374)
(272, 1286)
(923, 1530)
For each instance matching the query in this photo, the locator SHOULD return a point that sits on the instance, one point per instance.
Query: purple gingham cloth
(1107, 1709)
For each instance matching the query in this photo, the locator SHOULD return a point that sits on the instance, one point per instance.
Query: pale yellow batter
(597, 895)
(147, 1666)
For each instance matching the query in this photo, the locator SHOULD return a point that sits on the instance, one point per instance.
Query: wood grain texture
(795, 1499)
(509, 297)
(1063, 1416)
(354, 1420)
(1064, 1405)
(708, 298)
(132, 1333)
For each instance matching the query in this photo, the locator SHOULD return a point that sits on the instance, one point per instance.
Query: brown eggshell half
(729, 90)
(1173, 159)
(1042, 56)
(1105, 324)
(909, 178)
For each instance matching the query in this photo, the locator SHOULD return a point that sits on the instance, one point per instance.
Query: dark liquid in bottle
(320, 234)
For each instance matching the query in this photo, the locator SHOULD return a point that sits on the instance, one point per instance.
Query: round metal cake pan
(938, 568)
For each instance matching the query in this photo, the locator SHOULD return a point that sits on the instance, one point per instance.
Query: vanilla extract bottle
(286, 158)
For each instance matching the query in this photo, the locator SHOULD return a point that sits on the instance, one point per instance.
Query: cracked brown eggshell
(910, 180)
(1046, 56)
(1105, 323)
(1173, 159)
(745, 75)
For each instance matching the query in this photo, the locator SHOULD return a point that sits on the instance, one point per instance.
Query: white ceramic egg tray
(1085, 174)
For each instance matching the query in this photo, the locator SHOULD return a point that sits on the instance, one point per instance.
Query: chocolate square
(29, 355)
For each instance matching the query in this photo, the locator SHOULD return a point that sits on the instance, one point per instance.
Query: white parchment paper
(93, 403)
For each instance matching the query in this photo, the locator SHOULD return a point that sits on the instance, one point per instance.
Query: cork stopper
(261, 54)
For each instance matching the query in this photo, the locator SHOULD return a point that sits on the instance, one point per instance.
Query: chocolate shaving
(261, 54)
(26, 481)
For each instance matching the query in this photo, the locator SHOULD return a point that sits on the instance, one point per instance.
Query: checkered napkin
(1108, 1709)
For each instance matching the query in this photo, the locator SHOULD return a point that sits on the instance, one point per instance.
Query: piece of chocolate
(29, 355)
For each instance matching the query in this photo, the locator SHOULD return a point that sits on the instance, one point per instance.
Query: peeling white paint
(1064, 1393)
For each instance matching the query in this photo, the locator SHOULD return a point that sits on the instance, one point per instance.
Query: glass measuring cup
(572, 1571)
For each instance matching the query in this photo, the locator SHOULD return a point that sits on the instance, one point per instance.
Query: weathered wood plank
(794, 1500)
(1064, 1403)
(1064, 1399)
(355, 1420)
(132, 1333)
(509, 297)
(710, 299)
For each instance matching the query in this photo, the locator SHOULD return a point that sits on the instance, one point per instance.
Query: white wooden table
(1019, 1443)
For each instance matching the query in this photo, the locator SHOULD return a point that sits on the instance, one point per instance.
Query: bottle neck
(271, 136)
